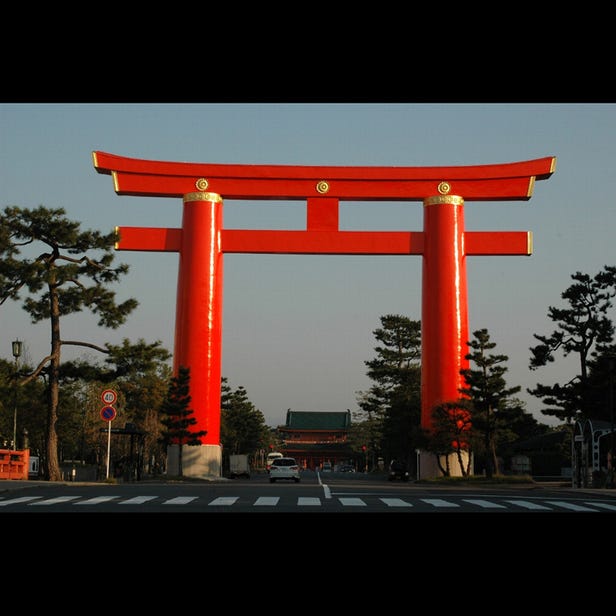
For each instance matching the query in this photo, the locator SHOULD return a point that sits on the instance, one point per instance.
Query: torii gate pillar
(202, 242)
(444, 313)
(198, 327)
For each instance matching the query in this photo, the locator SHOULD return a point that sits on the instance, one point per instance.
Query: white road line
(352, 502)
(601, 505)
(484, 503)
(96, 500)
(570, 506)
(137, 500)
(21, 499)
(395, 502)
(266, 501)
(180, 500)
(54, 501)
(528, 505)
(439, 502)
(224, 501)
(308, 501)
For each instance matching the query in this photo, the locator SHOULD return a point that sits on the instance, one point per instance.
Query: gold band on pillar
(202, 196)
(116, 230)
(444, 199)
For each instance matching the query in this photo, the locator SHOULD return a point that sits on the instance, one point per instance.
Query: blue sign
(108, 413)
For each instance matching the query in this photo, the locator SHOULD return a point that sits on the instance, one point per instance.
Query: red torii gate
(201, 242)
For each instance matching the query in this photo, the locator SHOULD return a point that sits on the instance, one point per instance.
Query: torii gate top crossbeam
(501, 182)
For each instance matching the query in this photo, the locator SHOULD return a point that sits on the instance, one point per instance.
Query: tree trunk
(53, 467)
(494, 458)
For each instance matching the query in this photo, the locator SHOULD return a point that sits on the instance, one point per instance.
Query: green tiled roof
(318, 420)
(308, 448)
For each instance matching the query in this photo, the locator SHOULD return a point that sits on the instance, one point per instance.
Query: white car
(284, 468)
(271, 456)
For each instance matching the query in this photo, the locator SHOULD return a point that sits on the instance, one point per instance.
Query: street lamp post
(418, 460)
(17, 344)
(611, 405)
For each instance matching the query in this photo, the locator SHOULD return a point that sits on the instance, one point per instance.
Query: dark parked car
(398, 470)
(346, 468)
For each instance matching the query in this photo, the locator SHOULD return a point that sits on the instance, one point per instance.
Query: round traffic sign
(109, 396)
(108, 413)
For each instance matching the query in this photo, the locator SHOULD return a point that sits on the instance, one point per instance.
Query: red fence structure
(202, 241)
(14, 463)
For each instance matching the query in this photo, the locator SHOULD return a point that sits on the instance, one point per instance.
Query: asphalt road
(326, 493)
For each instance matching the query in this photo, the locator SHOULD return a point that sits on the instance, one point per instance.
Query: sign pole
(108, 414)
(108, 448)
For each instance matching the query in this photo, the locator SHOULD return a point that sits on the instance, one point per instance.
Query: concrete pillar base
(198, 461)
(429, 468)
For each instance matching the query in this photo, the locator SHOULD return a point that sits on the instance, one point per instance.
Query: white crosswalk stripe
(439, 502)
(484, 503)
(308, 501)
(267, 501)
(21, 499)
(54, 501)
(96, 500)
(180, 500)
(137, 500)
(528, 505)
(570, 506)
(603, 506)
(224, 501)
(352, 502)
(395, 502)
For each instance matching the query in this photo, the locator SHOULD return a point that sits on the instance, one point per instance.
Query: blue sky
(297, 330)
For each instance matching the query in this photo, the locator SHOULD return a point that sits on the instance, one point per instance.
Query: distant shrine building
(314, 438)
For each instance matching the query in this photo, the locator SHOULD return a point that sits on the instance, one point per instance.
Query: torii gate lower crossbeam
(202, 241)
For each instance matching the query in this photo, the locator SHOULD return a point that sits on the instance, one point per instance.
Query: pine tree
(393, 403)
(179, 416)
(486, 388)
(70, 274)
(583, 329)
(242, 425)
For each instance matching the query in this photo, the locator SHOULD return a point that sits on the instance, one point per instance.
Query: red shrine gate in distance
(201, 242)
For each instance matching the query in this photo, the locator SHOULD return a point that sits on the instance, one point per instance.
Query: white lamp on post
(17, 344)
